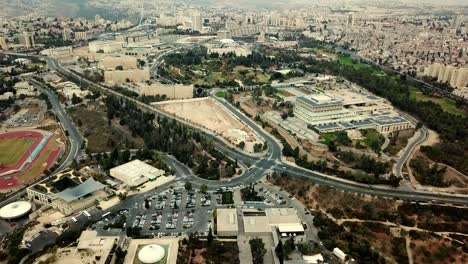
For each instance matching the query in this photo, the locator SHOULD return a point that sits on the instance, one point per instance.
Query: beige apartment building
(171, 91)
(134, 75)
(112, 62)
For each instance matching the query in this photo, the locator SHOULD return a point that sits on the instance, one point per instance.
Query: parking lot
(171, 212)
(176, 211)
(31, 112)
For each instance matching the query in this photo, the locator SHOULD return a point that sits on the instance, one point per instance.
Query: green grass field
(249, 73)
(221, 94)
(347, 60)
(447, 105)
(13, 149)
(227, 198)
(327, 138)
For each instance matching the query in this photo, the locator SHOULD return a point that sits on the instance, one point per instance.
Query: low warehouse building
(135, 173)
(226, 222)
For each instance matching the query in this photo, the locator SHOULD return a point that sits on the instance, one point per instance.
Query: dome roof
(227, 41)
(151, 254)
(15, 210)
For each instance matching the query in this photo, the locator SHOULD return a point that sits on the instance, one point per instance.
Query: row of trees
(428, 175)
(364, 162)
(169, 136)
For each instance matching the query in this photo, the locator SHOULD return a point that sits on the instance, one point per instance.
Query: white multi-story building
(105, 46)
(197, 21)
(3, 43)
(361, 111)
(81, 35)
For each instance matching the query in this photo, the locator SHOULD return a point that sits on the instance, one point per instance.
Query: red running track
(11, 181)
(21, 134)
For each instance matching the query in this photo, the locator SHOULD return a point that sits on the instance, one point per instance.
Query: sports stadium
(25, 155)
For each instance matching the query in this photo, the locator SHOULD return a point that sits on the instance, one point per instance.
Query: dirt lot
(207, 113)
(456, 181)
(385, 222)
(199, 252)
(436, 251)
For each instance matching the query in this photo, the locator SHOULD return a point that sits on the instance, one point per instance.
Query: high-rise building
(3, 43)
(27, 40)
(457, 21)
(81, 35)
(197, 21)
(459, 78)
(66, 34)
(224, 34)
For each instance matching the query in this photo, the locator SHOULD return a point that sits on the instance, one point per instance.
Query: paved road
(73, 134)
(420, 137)
(272, 161)
(75, 139)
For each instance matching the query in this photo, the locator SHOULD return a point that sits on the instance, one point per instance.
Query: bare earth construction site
(208, 114)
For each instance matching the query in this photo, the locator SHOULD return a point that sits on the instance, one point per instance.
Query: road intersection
(272, 160)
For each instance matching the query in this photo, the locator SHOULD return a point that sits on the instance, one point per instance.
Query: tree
(210, 237)
(305, 248)
(257, 247)
(188, 186)
(289, 246)
(279, 250)
(122, 196)
(419, 125)
(204, 188)
(241, 145)
(76, 100)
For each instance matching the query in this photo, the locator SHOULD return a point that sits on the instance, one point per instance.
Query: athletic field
(12, 149)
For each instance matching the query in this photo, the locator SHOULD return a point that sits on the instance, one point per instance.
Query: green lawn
(227, 198)
(339, 137)
(347, 60)
(221, 94)
(244, 73)
(39, 166)
(13, 149)
(327, 138)
(373, 139)
(447, 105)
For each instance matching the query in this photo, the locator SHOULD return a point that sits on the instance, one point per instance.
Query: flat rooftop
(255, 221)
(278, 216)
(135, 169)
(227, 220)
(319, 100)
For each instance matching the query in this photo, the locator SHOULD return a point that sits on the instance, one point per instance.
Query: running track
(11, 181)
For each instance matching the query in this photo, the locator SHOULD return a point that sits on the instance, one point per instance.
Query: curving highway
(271, 161)
(73, 134)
